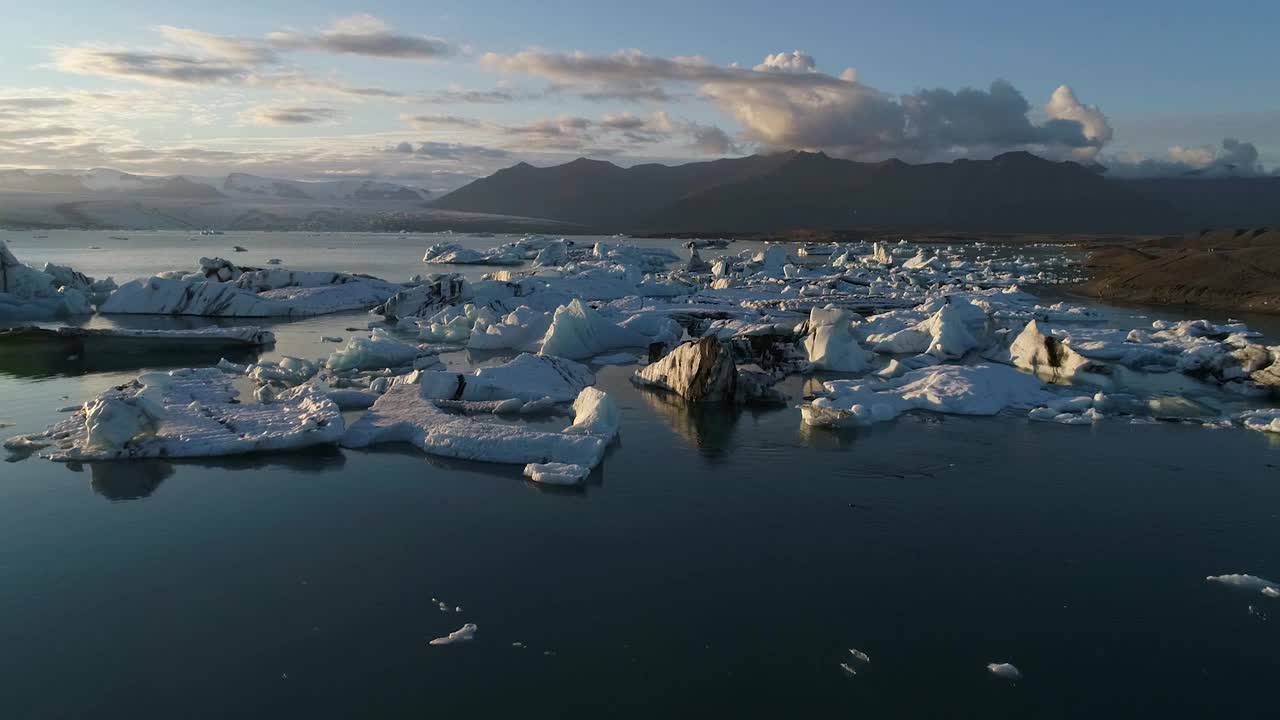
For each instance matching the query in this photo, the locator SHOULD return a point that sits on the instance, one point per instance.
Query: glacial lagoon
(719, 561)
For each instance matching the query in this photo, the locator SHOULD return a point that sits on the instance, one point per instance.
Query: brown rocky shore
(1233, 270)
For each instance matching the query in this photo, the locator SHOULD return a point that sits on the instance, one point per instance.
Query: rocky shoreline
(1232, 270)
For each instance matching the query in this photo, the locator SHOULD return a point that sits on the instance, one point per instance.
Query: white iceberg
(379, 350)
(406, 414)
(527, 378)
(831, 344)
(188, 413)
(30, 294)
(951, 389)
(264, 293)
(577, 332)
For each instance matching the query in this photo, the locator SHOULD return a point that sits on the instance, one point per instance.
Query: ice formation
(55, 292)
(1246, 582)
(577, 332)
(705, 371)
(955, 389)
(831, 344)
(1005, 671)
(463, 634)
(221, 289)
(188, 413)
(379, 350)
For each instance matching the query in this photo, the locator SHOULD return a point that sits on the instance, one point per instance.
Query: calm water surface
(718, 563)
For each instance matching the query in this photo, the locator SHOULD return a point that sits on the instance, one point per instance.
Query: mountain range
(1013, 192)
(99, 181)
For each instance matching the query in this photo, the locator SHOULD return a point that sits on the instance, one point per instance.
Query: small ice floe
(554, 473)
(380, 350)
(1005, 670)
(330, 339)
(517, 644)
(1267, 587)
(465, 633)
(1266, 420)
(274, 261)
(855, 662)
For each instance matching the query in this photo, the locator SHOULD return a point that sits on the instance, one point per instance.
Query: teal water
(719, 563)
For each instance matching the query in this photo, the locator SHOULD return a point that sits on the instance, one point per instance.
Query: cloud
(242, 50)
(448, 151)
(156, 67)
(794, 61)
(786, 102)
(710, 140)
(1231, 158)
(364, 35)
(289, 115)
(610, 135)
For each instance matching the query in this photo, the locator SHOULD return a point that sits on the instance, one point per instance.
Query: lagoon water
(720, 563)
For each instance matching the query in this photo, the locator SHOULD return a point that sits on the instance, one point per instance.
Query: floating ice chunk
(578, 332)
(30, 294)
(704, 371)
(436, 292)
(265, 293)
(189, 413)
(288, 371)
(595, 413)
(1266, 420)
(953, 389)
(1247, 582)
(1271, 591)
(379, 350)
(947, 333)
(556, 473)
(465, 633)
(831, 344)
(1053, 360)
(520, 329)
(405, 414)
(527, 377)
(1005, 671)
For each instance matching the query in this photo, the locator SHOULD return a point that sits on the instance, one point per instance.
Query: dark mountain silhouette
(1013, 192)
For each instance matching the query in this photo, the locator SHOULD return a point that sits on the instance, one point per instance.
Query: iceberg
(437, 292)
(379, 350)
(407, 413)
(1053, 360)
(577, 332)
(831, 344)
(950, 389)
(527, 378)
(595, 413)
(30, 294)
(703, 371)
(264, 293)
(187, 413)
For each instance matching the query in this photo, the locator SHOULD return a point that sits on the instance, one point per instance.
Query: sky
(436, 93)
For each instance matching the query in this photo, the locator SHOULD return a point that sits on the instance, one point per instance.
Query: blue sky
(1141, 79)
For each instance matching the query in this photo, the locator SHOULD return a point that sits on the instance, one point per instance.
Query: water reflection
(47, 360)
(709, 427)
(121, 481)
